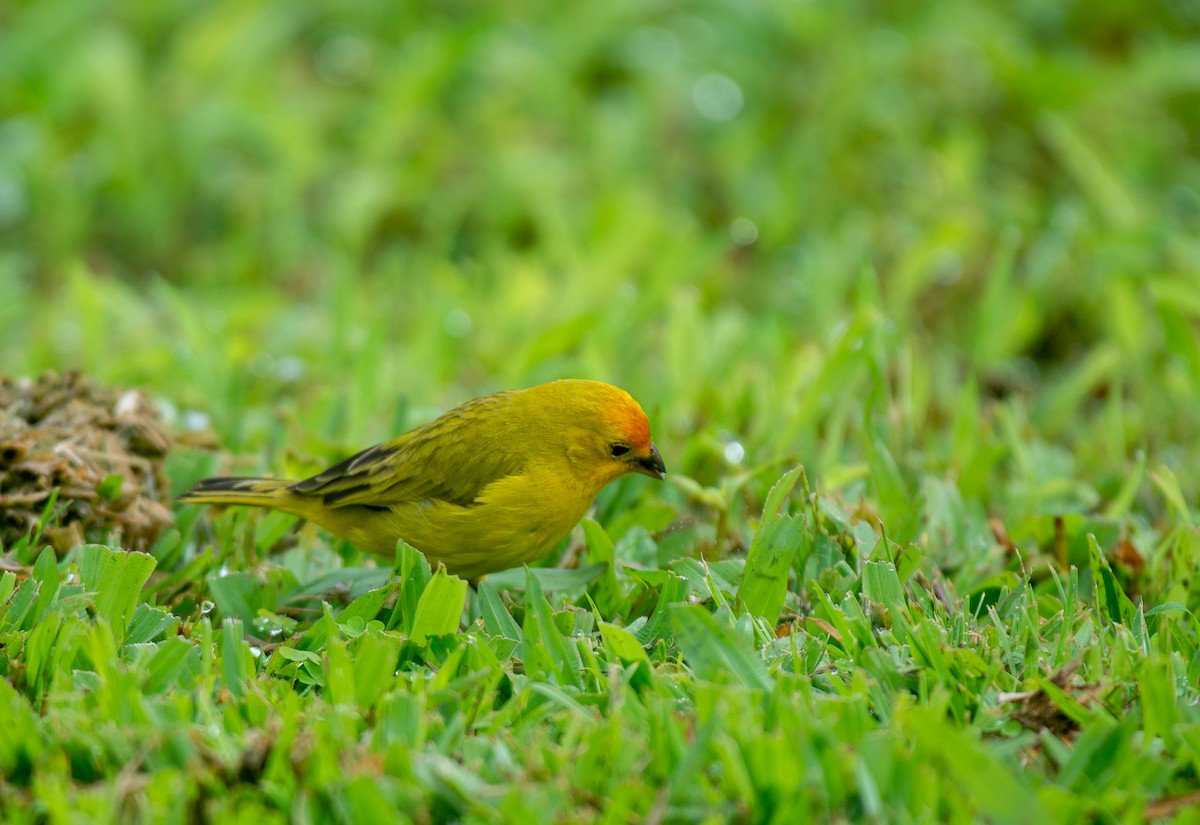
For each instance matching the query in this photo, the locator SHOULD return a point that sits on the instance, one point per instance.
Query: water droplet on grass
(195, 421)
(289, 368)
(743, 231)
(457, 323)
(344, 59)
(734, 452)
(717, 97)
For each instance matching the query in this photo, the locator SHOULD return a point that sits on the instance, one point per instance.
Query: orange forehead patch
(611, 407)
(633, 423)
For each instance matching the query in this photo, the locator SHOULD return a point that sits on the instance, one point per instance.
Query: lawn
(910, 294)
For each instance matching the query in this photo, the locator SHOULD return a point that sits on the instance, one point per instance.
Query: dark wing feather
(453, 458)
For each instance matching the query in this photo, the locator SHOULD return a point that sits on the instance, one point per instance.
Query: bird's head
(610, 434)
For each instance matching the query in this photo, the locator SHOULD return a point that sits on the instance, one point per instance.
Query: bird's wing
(447, 459)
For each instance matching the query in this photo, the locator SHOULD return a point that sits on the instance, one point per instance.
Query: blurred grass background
(951, 241)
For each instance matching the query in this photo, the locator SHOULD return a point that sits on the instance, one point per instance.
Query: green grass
(968, 309)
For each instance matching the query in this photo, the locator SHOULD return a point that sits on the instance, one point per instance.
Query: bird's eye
(618, 449)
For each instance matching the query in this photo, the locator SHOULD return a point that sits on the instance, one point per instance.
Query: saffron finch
(491, 484)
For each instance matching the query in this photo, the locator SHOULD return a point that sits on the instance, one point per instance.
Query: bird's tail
(249, 492)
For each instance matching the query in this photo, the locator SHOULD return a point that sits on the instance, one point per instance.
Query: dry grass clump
(102, 449)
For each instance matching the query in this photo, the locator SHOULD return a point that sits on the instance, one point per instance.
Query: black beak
(651, 464)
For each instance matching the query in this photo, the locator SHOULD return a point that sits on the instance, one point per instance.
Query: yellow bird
(491, 484)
